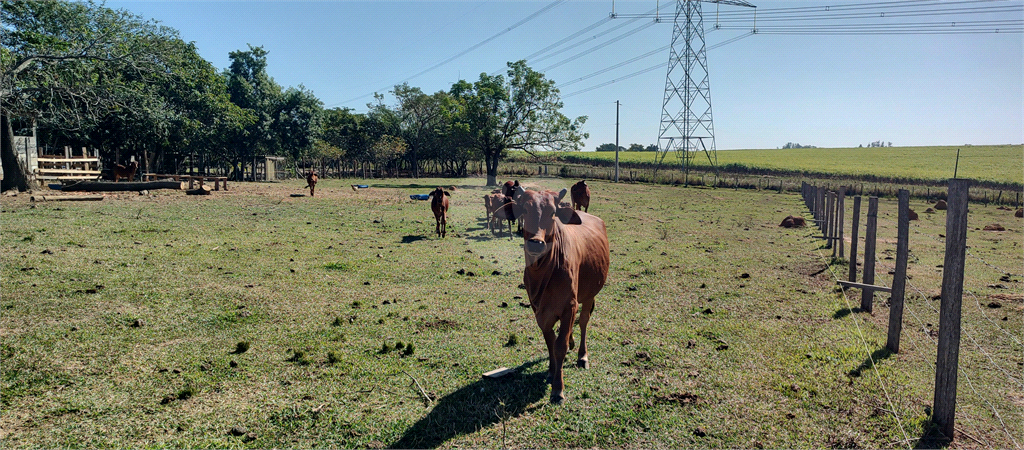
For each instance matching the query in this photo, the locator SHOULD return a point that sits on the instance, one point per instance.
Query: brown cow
(566, 266)
(505, 211)
(580, 195)
(127, 172)
(491, 203)
(509, 188)
(311, 180)
(439, 204)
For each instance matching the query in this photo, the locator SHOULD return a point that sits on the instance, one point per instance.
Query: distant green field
(995, 163)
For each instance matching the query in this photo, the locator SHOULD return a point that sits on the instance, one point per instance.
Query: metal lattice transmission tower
(686, 122)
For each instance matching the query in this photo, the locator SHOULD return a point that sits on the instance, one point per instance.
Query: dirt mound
(994, 227)
(793, 222)
(940, 205)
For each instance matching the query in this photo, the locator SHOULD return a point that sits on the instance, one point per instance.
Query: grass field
(252, 319)
(998, 163)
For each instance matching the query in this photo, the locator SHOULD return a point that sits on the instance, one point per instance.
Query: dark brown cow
(509, 188)
(580, 195)
(439, 204)
(127, 172)
(311, 180)
(566, 266)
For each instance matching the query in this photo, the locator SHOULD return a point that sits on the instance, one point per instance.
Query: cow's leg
(444, 225)
(437, 225)
(561, 347)
(584, 359)
(549, 340)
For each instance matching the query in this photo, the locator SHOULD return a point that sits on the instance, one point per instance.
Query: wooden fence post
(822, 207)
(841, 208)
(899, 278)
(868, 295)
(826, 230)
(854, 230)
(944, 404)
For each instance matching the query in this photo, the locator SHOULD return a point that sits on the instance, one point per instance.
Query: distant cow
(580, 195)
(439, 204)
(493, 202)
(311, 180)
(566, 266)
(127, 172)
(504, 212)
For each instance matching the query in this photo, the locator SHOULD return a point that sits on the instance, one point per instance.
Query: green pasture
(995, 163)
(253, 319)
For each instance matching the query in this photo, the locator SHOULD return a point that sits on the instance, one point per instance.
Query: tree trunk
(13, 174)
(492, 168)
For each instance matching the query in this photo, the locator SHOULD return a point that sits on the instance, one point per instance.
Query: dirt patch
(811, 269)
(1017, 298)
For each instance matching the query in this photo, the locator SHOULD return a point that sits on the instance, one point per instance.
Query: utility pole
(616, 141)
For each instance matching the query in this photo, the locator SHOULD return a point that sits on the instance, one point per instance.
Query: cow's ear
(517, 192)
(561, 195)
(447, 193)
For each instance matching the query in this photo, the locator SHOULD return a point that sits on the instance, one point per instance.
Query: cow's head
(439, 192)
(537, 209)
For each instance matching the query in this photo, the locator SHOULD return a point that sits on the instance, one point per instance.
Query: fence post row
(948, 354)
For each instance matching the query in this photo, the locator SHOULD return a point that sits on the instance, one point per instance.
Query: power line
(470, 49)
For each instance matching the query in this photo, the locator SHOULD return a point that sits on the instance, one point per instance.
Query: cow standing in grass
(311, 180)
(567, 262)
(439, 205)
(580, 195)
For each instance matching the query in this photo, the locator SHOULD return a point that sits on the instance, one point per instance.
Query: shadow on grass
(932, 438)
(476, 406)
(409, 239)
(845, 312)
(428, 187)
(869, 363)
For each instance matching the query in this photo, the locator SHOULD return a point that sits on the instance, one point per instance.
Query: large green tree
(518, 112)
(68, 64)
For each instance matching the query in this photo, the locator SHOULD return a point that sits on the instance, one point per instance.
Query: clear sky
(767, 89)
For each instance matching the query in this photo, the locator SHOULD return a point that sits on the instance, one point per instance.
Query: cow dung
(994, 227)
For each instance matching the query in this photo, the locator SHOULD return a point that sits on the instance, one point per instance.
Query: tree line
(84, 75)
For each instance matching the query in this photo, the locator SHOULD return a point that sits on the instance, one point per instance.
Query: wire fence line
(825, 208)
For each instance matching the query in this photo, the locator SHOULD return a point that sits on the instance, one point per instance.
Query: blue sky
(767, 89)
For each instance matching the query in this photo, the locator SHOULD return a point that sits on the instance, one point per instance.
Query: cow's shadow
(408, 239)
(475, 406)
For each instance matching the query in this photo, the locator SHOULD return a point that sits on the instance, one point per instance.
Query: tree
(651, 148)
(386, 151)
(423, 123)
(297, 121)
(68, 64)
(252, 89)
(636, 148)
(608, 148)
(520, 112)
